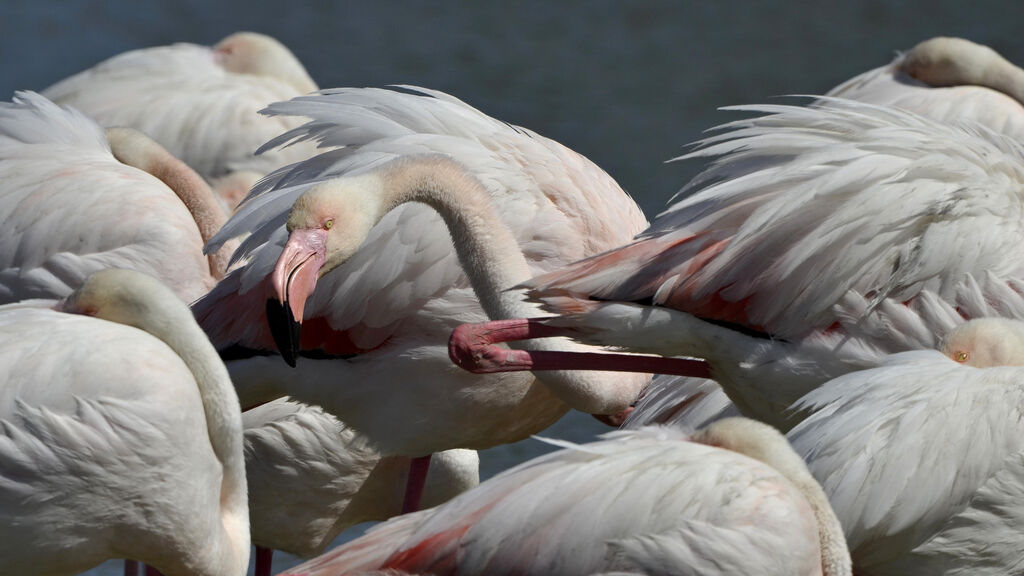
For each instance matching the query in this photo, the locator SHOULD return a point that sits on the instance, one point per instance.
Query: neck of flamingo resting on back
(493, 261)
(176, 328)
(136, 150)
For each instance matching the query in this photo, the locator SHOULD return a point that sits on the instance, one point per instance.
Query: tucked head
(124, 296)
(261, 55)
(986, 342)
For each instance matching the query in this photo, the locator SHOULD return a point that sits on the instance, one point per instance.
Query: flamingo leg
(131, 568)
(472, 347)
(264, 556)
(414, 486)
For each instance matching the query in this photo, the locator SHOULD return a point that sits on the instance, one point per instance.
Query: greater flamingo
(310, 477)
(77, 199)
(120, 436)
(821, 239)
(385, 313)
(947, 79)
(923, 458)
(731, 499)
(200, 103)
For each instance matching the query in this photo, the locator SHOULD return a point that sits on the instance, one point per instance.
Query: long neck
(494, 263)
(486, 248)
(135, 149)
(179, 331)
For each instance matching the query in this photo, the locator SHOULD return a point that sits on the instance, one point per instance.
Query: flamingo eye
(961, 356)
(328, 224)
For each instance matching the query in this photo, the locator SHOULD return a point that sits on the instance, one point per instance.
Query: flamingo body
(390, 307)
(310, 477)
(70, 208)
(98, 463)
(199, 102)
(646, 501)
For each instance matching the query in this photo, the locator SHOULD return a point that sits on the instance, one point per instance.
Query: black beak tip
(285, 330)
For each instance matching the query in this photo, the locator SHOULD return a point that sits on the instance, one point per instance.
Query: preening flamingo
(731, 499)
(76, 199)
(200, 103)
(120, 436)
(310, 477)
(373, 347)
(946, 79)
(820, 240)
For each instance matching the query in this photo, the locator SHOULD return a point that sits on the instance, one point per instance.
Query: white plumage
(310, 477)
(199, 102)
(396, 300)
(119, 438)
(840, 233)
(70, 208)
(649, 501)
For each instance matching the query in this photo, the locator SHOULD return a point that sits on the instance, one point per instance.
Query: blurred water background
(628, 84)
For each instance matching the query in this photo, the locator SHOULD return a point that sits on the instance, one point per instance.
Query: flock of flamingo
(239, 310)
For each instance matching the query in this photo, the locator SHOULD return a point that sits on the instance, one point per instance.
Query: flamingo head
(261, 55)
(986, 342)
(326, 227)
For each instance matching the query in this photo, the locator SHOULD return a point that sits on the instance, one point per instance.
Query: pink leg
(414, 487)
(131, 568)
(264, 556)
(471, 347)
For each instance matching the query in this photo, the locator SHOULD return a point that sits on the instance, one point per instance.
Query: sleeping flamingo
(310, 477)
(77, 199)
(820, 240)
(731, 499)
(922, 457)
(120, 436)
(200, 103)
(947, 79)
(373, 345)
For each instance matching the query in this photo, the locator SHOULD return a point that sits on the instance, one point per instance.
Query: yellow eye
(328, 224)
(961, 356)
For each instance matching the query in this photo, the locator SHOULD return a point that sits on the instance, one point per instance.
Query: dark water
(628, 84)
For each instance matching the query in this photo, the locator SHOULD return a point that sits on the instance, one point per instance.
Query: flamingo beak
(294, 278)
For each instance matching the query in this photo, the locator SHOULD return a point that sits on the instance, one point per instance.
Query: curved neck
(959, 62)
(491, 257)
(488, 252)
(176, 328)
(134, 149)
(762, 442)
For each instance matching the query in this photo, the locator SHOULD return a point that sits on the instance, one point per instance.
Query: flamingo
(310, 477)
(120, 435)
(821, 240)
(372, 350)
(77, 199)
(950, 80)
(922, 457)
(731, 499)
(199, 102)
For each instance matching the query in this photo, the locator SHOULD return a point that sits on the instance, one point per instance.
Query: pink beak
(294, 279)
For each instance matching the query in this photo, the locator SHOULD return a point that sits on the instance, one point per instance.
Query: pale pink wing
(804, 205)
(69, 209)
(556, 202)
(635, 500)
